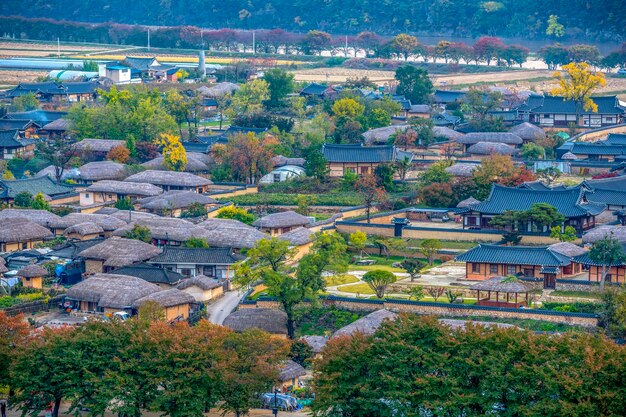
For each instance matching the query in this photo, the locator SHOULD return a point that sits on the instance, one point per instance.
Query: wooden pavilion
(514, 292)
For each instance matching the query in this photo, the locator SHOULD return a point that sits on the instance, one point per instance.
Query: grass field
(361, 288)
(187, 59)
(576, 294)
(340, 279)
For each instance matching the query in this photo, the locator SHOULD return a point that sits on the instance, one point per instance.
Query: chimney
(201, 64)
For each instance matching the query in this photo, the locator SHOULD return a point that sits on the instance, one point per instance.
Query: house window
(475, 268)
(25, 245)
(528, 272)
(285, 229)
(186, 272)
(364, 170)
(86, 195)
(608, 278)
(510, 270)
(351, 170)
(493, 269)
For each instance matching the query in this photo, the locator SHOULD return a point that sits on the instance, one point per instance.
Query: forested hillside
(508, 18)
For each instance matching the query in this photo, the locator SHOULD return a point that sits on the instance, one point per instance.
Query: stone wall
(576, 285)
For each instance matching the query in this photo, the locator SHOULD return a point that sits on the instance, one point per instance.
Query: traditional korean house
(32, 276)
(41, 217)
(198, 163)
(111, 191)
(116, 252)
(26, 128)
(96, 149)
(569, 202)
(609, 191)
(554, 111)
(528, 132)
(593, 151)
(212, 262)
(270, 320)
(172, 180)
(278, 223)
(13, 146)
(289, 376)
(300, 239)
(84, 231)
(547, 262)
(107, 223)
(360, 159)
(174, 203)
(230, 233)
(202, 288)
(56, 129)
(366, 325)
(41, 117)
(505, 138)
(155, 274)
(19, 234)
(149, 69)
(318, 91)
(176, 303)
(165, 231)
(54, 192)
(614, 273)
(100, 170)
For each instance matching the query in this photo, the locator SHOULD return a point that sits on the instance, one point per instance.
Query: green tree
(194, 210)
(378, 118)
(124, 203)
(532, 151)
(384, 176)
(23, 199)
(272, 253)
(358, 240)
(404, 45)
(413, 267)
(316, 41)
(607, 252)
(249, 98)
(236, 213)
(40, 203)
(478, 104)
(378, 280)
(429, 248)
(554, 27)
(414, 84)
(196, 242)
(280, 84)
(348, 107)
(139, 232)
(415, 292)
(179, 108)
(549, 175)
(436, 174)
(567, 235)
(315, 164)
(424, 129)
(26, 102)
(304, 202)
(58, 152)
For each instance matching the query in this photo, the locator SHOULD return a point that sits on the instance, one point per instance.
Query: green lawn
(361, 288)
(575, 294)
(385, 263)
(340, 279)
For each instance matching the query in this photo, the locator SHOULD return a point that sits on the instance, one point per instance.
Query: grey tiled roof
(10, 139)
(45, 185)
(612, 197)
(553, 104)
(514, 255)
(150, 273)
(38, 116)
(314, 89)
(20, 124)
(362, 154)
(585, 259)
(584, 148)
(615, 139)
(200, 256)
(568, 202)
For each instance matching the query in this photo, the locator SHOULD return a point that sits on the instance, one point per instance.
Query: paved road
(219, 310)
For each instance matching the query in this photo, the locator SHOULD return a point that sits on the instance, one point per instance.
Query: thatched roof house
(490, 137)
(196, 162)
(569, 156)
(218, 90)
(317, 343)
(490, 148)
(84, 229)
(230, 233)
(467, 202)
(366, 325)
(171, 180)
(200, 281)
(166, 298)
(298, 237)
(19, 233)
(567, 248)
(41, 217)
(446, 132)
(528, 132)
(382, 134)
(276, 223)
(107, 291)
(33, 271)
(117, 252)
(268, 319)
(600, 232)
(107, 223)
(461, 169)
(503, 285)
(166, 229)
(173, 200)
(127, 216)
(291, 371)
(125, 188)
(102, 170)
(101, 146)
(281, 161)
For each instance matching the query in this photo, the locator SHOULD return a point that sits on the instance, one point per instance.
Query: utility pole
(346, 49)
(148, 39)
(253, 42)
(59, 47)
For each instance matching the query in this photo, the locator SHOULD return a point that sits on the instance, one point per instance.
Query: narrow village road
(219, 310)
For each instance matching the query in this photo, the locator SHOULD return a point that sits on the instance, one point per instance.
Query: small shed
(278, 223)
(202, 288)
(175, 302)
(290, 374)
(515, 292)
(32, 275)
(368, 324)
(84, 231)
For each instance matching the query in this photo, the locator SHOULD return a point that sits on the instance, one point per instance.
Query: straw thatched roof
(82, 229)
(167, 298)
(268, 319)
(446, 132)
(174, 199)
(490, 137)
(21, 230)
(382, 134)
(196, 162)
(58, 125)
(120, 252)
(567, 248)
(283, 219)
(32, 271)
(164, 228)
(3, 267)
(102, 170)
(299, 236)
(280, 161)
(201, 281)
(218, 90)
(41, 217)
(368, 324)
(468, 202)
(569, 156)
(501, 284)
(129, 216)
(112, 291)
(97, 145)
(600, 232)
(290, 370)
(107, 223)
(169, 178)
(230, 233)
(125, 188)
(317, 343)
(528, 132)
(488, 148)
(461, 170)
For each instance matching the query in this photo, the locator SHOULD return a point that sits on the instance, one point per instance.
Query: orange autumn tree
(499, 169)
(371, 192)
(120, 154)
(248, 156)
(14, 333)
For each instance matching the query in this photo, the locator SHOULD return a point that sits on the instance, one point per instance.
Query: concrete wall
(444, 310)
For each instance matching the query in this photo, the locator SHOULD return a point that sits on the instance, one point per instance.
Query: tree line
(140, 364)
(468, 18)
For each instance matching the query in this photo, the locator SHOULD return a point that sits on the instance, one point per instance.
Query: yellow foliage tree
(578, 83)
(174, 154)
(348, 107)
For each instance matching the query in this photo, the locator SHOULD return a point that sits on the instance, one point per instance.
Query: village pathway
(218, 311)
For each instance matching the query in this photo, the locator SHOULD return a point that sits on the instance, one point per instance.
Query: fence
(443, 309)
(34, 306)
